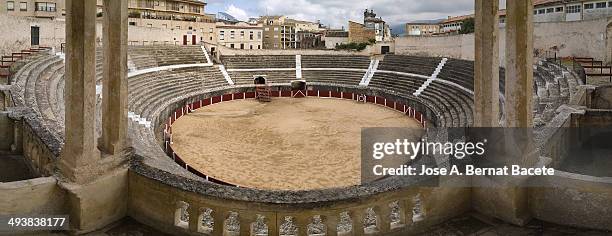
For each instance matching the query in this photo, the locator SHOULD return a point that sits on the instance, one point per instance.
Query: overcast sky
(336, 13)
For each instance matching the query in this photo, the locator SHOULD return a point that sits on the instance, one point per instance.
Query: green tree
(467, 26)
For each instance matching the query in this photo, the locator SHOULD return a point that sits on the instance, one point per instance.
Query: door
(35, 35)
(384, 49)
(193, 40)
(184, 39)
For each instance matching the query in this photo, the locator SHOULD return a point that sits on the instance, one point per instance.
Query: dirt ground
(287, 144)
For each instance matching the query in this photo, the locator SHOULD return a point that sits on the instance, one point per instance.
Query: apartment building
(278, 33)
(422, 28)
(34, 8)
(570, 10)
(240, 35)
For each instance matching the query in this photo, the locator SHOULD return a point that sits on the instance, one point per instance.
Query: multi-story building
(188, 16)
(301, 25)
(278, 33)
(570, 10)
(382, 31)
(453, 24)
(372, 29)
(239, 35)
(422, 28)
(184, 15)
(34, 8)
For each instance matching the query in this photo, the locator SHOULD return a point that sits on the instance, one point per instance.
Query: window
(190, 27)
(573, 9)
(178, 27)
(232, 45)
(258, 35)
(242, 46)
(541, 11)
(23, 6)
(251, 35)
(550, 10)
(251, 47)
(242, 34)
(150, 25)
(559, 9)
(221, 35)
(535, 12)
(600, 5)
(210, 30)
(258, 46)
(232, 34)
(10, 6)
(610, 4)
(588, 6)
(132, 23)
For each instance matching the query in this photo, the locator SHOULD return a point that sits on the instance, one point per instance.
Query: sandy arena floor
(287, 144)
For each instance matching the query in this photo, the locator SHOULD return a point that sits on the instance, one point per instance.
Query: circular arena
(208, 158)
(285, 144)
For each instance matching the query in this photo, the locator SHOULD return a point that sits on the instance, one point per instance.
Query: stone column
(486, 65)
(519, 64)
(114, 91)
(79, 150)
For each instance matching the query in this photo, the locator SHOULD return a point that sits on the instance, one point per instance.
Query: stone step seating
(258, 62)
(246, 78)
(335, 61)
(409, 64)
(461, 101)
(34, 81)
(333, 77)
(460, 72)
(151, 56)
(441, 97)
(146, 89)
(406, 85)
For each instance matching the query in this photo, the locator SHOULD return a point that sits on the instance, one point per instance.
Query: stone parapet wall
(397, 212)
(33, 196)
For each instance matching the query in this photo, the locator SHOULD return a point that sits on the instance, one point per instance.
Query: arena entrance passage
(262, 91)
(259, 80)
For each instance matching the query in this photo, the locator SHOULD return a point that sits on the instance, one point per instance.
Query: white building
(334, 38)
(570, 10)
(240, 35)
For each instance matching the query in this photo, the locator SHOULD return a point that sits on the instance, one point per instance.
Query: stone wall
(436, 204)
(33, 196)
(16, 33)
(602, 98)
(579, 38)
(6, 132)
(358, 33)
(576, 200)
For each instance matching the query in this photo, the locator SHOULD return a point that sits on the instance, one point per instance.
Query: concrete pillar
(79, 150)
(114, 91)
(519, 64)
(486, 65)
